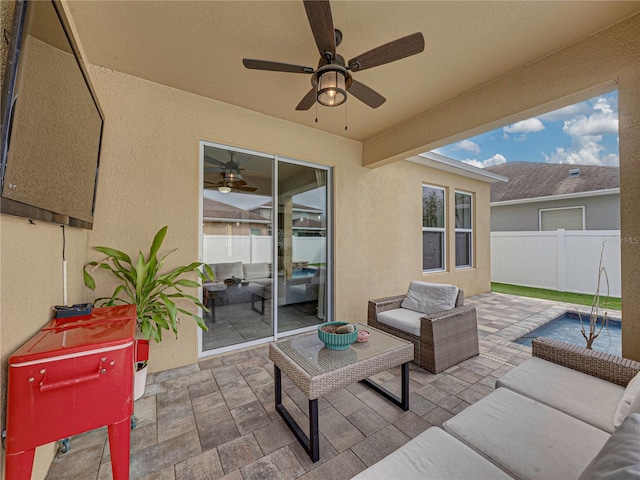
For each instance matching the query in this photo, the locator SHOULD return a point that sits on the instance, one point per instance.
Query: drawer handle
(103, 367)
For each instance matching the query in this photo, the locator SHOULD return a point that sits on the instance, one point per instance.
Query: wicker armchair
(446, 338)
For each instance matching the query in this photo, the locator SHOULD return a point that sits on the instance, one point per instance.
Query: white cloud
(586, 133)
(468, 146)
(567, 113)
(525, 126)
(497, 159)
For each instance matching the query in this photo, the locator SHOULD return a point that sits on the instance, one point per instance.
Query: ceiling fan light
(331, 90)
(224, 189)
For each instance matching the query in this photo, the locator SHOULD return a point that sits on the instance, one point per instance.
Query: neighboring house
(545, 196)
(223, 219)
(307, 221)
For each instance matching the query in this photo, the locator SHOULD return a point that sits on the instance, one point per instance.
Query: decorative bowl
(363, 336)
(336, 341)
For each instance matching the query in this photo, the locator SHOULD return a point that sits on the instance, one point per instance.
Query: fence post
(562, 281)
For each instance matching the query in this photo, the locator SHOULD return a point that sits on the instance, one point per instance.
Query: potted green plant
(152, 292)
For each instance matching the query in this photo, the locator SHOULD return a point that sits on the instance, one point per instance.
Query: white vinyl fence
(257, 248)
(564, 260)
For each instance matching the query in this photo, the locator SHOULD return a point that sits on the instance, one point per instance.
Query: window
(569, 218)
(433, 228)
(464, 229)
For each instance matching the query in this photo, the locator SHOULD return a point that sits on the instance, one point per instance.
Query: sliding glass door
(302, 245)
(264, 234)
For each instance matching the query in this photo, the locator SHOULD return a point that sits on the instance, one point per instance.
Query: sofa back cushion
(630, 401)
(253, 271)
(428, 298)
(620, 456)
(227, 270)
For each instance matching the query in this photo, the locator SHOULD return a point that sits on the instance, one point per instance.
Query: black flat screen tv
(51, 122)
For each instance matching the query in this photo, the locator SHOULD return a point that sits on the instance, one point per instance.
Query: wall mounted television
(51, 122)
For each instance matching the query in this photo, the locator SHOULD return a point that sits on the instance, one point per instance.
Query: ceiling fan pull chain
(345, 116)
(316, 112)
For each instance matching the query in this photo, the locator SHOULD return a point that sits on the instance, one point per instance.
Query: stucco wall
(150, 177)
(601, 213)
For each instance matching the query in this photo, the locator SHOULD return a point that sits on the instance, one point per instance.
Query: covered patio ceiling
(198, 47)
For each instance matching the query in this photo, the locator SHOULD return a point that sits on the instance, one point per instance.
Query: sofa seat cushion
(429, 298)
(435, 455)
(402, 319)
(526, 438)
(254, 271)
(582, 396)
(620, 456)
(223, 271)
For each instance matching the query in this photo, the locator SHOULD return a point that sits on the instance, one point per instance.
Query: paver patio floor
(216, 419)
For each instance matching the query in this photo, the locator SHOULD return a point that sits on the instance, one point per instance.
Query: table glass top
(313, 357)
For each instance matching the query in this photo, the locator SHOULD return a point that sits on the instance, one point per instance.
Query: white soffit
(440, 162)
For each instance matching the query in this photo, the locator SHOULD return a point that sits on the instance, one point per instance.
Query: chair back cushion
(630, 402)
(227, 270)
(620, 456)
(430, 297)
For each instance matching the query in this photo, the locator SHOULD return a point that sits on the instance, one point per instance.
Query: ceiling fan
(230, 170)
(333, 77)
(226, 185)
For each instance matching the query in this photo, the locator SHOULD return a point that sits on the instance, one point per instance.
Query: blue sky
(583, 134)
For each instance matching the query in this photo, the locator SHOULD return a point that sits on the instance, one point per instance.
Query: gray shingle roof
(213, 209)
(533, 180)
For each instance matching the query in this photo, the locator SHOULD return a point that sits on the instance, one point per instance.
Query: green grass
(567, 297)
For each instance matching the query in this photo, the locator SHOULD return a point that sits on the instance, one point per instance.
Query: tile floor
(216, 419)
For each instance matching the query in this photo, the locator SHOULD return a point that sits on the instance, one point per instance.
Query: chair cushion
(582, 396)
(526, 438)
(433, 455)
(253, 271)
(620, 456)
(630, 401)
(402, 319)
(430, 297)
(227, 270)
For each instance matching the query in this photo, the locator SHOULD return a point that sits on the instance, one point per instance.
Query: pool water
(303, 272)
(567, 329)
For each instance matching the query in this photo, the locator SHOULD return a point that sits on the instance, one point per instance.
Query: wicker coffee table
(316, 371)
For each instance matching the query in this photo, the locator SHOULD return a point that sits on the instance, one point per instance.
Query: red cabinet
(75, 375)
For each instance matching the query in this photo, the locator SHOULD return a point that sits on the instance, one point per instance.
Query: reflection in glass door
(302, 245)
(239, 222)
(237, 244)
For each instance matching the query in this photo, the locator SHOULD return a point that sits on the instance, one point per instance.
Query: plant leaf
(112, 252)
(88, 279)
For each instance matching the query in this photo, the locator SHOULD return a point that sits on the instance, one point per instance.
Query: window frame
(465, 230)
(442, 230)
(572, 207)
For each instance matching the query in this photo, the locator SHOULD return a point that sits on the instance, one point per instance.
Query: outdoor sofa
(566, 413)
(291, 290)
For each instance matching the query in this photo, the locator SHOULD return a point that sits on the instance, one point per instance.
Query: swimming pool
(566, 328)
(304, 272)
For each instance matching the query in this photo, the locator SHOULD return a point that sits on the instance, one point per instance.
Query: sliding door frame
(276, 159)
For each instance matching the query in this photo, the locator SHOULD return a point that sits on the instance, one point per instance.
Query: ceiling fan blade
(245, 189)
(213, 161)
(366, 95)
(321, 22)
(389, 52)
(214, 169)
(275, 66)
(307, 102)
